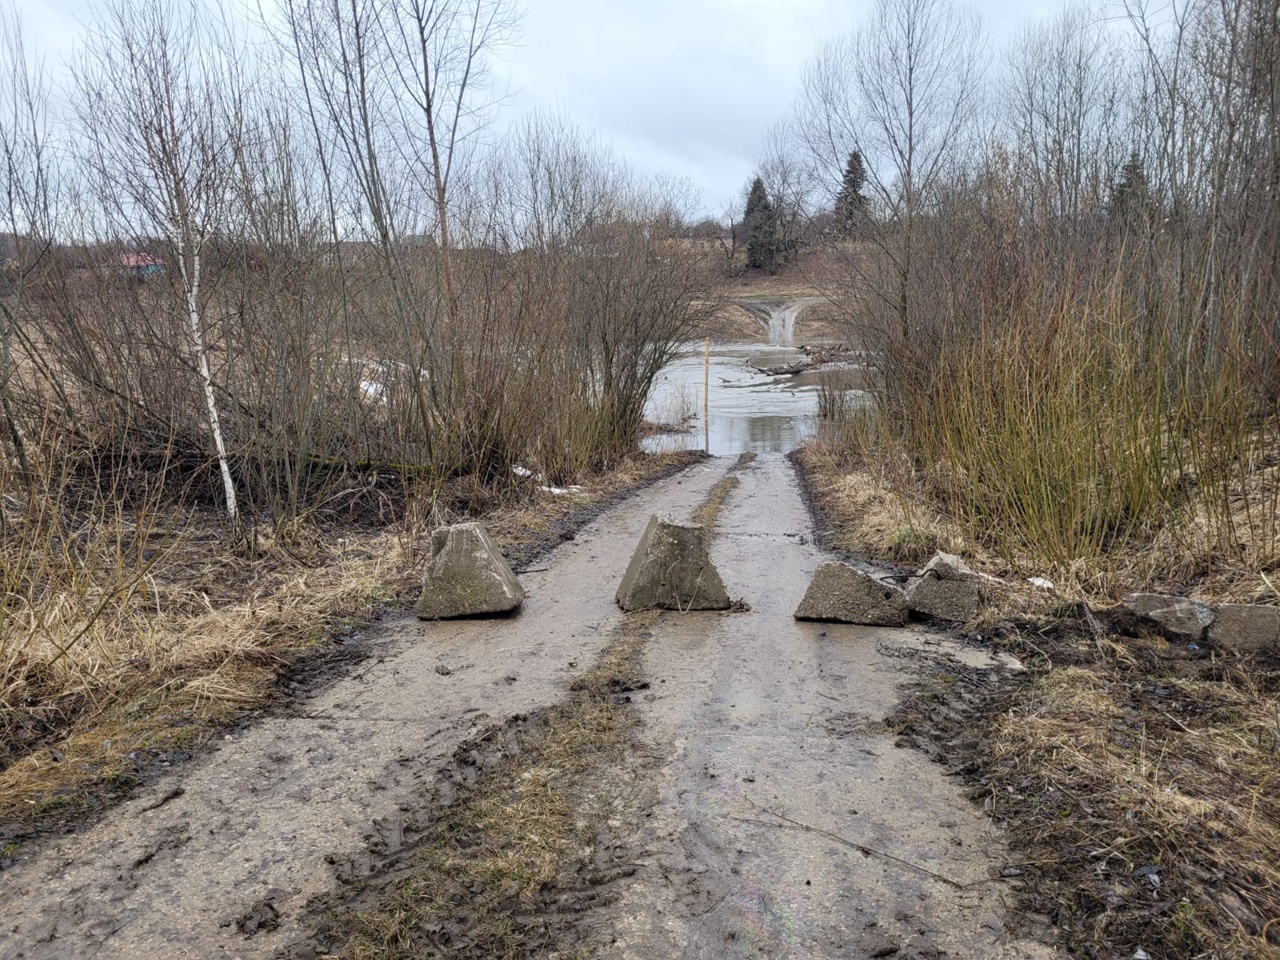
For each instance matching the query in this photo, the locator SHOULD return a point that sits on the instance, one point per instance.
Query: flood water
(749, 410)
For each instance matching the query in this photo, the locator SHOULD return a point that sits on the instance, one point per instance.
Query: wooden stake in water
(706, 400)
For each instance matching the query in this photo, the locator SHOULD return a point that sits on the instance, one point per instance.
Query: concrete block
(843, 594)
(672, 570)
(468, 576)
(1179, 619)
(946, 589)
(1246, 627)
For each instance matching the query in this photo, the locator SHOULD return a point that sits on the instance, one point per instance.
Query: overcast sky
(687, 87)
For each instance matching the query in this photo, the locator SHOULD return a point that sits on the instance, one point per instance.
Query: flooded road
(774, 814)
(788, 823)
(749, 411)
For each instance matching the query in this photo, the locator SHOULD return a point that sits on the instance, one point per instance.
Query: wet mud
(790, 819)
(278, 808)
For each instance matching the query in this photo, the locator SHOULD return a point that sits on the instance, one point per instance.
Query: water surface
(748, 410)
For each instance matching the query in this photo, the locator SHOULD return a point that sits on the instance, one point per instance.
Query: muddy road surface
(777, 818)
(785, 821)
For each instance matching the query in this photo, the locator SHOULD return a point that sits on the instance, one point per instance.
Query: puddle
(748, 410)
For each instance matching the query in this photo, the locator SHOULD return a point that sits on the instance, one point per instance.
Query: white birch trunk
(191, 286)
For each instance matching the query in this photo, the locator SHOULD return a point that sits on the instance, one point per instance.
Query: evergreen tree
(1131, 204)
(851, 202)
(760, 222)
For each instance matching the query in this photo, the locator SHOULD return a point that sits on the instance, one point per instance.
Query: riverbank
(1135, 776)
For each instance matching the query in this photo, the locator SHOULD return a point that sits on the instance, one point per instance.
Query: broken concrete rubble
(1246, 628)
(672, 570)
(843, 594)
(468, 576)
(946, 589)
(1179, 619)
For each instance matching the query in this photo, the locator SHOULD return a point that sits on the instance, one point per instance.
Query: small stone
(1246, 627)
(1179, 619)
(672, 570)
(843, 594)
(468, 576)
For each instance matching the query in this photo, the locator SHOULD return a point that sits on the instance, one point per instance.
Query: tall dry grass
(1076, 428)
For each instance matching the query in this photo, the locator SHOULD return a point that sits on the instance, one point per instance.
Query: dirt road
(783, 821)
(778, 780)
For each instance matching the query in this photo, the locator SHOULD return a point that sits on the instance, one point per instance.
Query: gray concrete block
(1246, 627)
(1179, 619)
(957, 600)
(843, 594)
(468, 576)
(672, 570)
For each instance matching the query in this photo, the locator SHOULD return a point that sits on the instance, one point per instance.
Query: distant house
(141, 266)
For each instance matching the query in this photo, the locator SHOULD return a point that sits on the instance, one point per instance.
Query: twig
(860, 847)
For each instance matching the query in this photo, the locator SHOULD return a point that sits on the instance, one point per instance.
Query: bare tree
(160, 103)
(901, 89)
(789, 179)
(1067, 99)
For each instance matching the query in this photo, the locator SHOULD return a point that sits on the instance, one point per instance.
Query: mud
(771, 805)
(278, 808)
(789, 819)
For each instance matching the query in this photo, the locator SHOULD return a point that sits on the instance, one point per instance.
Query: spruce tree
(760, 223)
(1131, 204)
(851, 202)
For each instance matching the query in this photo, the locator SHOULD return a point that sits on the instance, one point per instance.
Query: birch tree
(160, 98)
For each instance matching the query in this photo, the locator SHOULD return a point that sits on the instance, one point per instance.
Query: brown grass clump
(709, 510)
(1142, 792)
(872, 513)
(89, 700)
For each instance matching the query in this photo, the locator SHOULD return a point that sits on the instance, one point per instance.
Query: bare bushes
(1074, 329)
(285, 281)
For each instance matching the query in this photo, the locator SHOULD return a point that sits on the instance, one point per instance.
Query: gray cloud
(687, 87)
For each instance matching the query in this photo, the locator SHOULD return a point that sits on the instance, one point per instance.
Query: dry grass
(884, 507)
(497, 870)
(1143, 794)
(875, 516)
(137, 666)
(1074, 435)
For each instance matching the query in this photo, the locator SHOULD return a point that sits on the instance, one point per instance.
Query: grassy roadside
(1136, 780)
(207, 636)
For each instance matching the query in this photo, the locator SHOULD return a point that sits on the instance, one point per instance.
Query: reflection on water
(749, 410)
